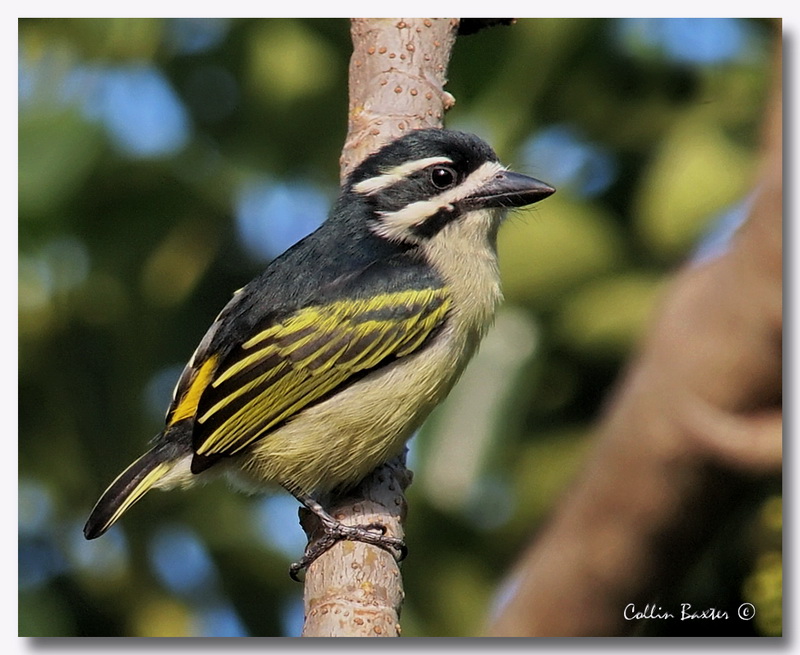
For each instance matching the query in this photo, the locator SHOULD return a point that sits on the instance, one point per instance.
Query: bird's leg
(372, 533)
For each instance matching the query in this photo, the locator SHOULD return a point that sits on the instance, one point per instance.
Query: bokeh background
(163, 163)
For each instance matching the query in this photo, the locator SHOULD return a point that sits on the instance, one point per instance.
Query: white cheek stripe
(394, 175)
(396, 225)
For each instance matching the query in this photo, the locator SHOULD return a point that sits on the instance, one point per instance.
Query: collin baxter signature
(686, 612)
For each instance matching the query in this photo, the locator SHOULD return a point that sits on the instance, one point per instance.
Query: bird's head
(427, 180)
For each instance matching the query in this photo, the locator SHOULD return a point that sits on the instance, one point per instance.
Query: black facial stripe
(431, 225)
(414, 188)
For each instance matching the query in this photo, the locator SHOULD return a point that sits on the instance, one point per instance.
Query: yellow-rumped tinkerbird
(321, 368)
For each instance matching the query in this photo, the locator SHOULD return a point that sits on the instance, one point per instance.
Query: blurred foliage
(163, 162)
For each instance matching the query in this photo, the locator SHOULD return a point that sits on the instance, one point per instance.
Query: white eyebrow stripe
(394, 175)
(396, 225)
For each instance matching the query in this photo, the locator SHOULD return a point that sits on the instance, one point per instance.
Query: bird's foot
(334, 531)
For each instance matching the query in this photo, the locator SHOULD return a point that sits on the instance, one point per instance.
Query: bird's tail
(129, 487)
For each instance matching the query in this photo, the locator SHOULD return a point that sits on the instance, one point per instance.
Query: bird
(322, 367)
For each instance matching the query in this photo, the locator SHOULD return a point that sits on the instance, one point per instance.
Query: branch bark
(397, 77)
(698, 414)
(355, 589)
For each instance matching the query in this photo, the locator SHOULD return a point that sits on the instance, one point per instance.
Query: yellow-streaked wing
(190, 388)
(290, 364)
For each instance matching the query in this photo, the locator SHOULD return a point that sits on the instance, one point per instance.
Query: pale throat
(464, 253)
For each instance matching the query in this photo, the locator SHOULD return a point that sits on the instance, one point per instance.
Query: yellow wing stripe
(352, 336)
(263, 353)
(414, 343)
(243, 363)
(241, 390)
(323, 319)
(236, 428)
(328, 355)
(303, 319)
(187, 407)
(343, 309)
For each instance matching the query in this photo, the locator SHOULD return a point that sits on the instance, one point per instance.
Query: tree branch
(397, 76)
(355, 589)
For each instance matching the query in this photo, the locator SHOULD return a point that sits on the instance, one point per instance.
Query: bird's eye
(443, 177)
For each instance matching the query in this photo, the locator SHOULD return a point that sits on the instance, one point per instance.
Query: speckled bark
(355, 590)
(397, 75)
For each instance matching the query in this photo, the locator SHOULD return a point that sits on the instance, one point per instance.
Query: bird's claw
(372, 533)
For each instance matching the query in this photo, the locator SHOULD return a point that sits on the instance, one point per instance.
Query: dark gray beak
(509, 189)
